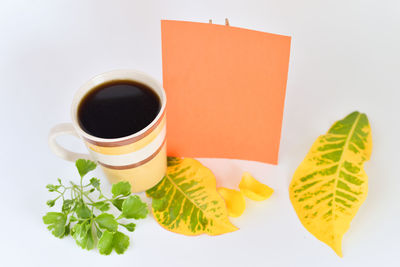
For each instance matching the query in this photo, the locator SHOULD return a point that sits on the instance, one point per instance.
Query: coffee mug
(139, 158)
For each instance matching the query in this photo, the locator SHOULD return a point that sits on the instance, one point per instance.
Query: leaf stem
(81, 187)
(88, 198)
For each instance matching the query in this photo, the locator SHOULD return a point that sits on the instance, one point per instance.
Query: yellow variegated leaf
(253, 189)
(186, 200)
(330, 184)
(234, 200)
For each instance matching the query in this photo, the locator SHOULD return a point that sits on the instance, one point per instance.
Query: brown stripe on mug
(137, 164)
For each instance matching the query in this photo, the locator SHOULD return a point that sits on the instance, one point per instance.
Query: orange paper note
(225, 90)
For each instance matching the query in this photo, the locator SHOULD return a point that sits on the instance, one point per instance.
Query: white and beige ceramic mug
(139, 158)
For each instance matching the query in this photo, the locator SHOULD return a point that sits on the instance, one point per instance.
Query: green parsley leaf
(105, 244)
(67, 204)
(105, 207)
(72, 219)
(84, 166)
(134, 207)
(118, 203)
(120, 242)
(83, 211)
(101, 205)
(90, 240)
(51, 203)
(95, 183)
(130, 226)
(107, 221)
(109, 241)
(82, 233)
(56, 222)
(121, 188)
(52, 187)
(67, 229)
(98, 233)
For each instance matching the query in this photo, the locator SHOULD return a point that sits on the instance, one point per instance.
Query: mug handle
(64, 129)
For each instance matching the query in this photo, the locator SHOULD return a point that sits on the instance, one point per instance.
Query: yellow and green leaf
(186, 200)
(330, 184)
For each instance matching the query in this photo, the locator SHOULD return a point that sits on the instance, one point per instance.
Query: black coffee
(118, 108)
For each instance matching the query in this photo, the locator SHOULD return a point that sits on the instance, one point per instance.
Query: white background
(345, 57)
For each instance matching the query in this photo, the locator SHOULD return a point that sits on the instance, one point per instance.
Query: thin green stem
(57, 197)
(81, 187)
(108, 199)
(61, 193)
(97, 228)
(88, 198)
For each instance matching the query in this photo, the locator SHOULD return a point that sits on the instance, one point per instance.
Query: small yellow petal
(253, 189)
(234, 201)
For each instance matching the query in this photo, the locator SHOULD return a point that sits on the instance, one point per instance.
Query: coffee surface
(117, 109)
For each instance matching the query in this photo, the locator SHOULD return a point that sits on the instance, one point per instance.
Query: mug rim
(119, 74)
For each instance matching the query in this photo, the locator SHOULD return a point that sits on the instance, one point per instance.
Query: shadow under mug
(140, 158)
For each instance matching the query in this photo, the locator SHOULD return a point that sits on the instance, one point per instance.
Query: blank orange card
(225, 90)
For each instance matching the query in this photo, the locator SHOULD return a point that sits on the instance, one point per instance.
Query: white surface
(345, 56)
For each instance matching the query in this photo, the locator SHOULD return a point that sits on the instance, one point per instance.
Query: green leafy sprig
(84, 217)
